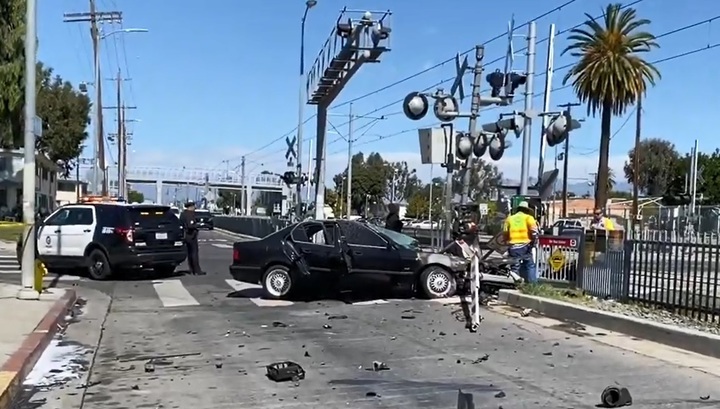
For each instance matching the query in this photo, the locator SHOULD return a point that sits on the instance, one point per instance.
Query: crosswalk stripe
(260, 302)
(371, 302)
(173, 293)
(222, 246)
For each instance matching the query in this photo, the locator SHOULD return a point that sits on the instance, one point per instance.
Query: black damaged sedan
(330, 251)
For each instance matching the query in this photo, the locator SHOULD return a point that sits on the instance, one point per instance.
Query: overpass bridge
(187, 176)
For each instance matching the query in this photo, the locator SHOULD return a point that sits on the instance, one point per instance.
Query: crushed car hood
(452, 262)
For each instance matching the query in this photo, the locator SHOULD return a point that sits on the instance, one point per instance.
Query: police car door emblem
(47, 240)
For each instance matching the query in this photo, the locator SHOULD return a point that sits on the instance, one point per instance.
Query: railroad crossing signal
(559, 128)
(699, 178)
(458, 84)
(290, 154)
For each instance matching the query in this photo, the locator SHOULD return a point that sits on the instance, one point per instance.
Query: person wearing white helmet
(522, 232)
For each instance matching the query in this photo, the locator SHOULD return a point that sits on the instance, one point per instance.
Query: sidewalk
(28, 327)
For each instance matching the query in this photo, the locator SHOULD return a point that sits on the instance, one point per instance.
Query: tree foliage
(369, 181)
(135, 197)
(65, 113)
(403, 182)
(12, 67)
(484, 178)
(610, 73)
(657, 160)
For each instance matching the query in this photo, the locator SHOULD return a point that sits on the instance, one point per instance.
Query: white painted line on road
(260, 302)
(173, 293)
(371, 302)
(222, 246)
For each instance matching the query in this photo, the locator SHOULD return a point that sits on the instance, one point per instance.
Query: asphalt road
(511, 363)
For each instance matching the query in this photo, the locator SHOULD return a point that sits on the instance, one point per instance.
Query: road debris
(307, 354)
(615, 397)
(218, 361)
(371, 394)
(60, 363)
(379, 366)
(285, 371)
(278, 324)
(338, 317)
(327, 326)
(135, 387)
(705, 397)
(526, 312)
(483, 358)
(149, 366)
(500, 395)
(407, 317)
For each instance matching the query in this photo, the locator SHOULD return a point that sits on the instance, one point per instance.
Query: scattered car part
(615, 397)
(380, 366)
(285, 371)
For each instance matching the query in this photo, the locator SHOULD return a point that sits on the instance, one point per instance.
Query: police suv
(106, 236)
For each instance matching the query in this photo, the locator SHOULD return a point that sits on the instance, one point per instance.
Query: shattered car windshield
(400, 239)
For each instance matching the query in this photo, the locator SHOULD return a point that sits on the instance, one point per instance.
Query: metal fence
(678, 274)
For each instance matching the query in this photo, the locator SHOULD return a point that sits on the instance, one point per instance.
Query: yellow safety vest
(519, 228)
(609, 224)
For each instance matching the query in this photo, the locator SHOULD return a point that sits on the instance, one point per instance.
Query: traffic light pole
(474, 113)
(527, 130)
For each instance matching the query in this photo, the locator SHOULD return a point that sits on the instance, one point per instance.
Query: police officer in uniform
(521, 232)
(187, 218)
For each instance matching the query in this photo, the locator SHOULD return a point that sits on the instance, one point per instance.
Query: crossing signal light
(676, 200)
(513, 81)
(559, 128)
(289, 178)
(496, 80)
(415, 106)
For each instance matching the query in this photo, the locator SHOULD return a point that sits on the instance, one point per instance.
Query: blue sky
(215, 80)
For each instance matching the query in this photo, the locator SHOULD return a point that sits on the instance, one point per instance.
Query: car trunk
(154, 227)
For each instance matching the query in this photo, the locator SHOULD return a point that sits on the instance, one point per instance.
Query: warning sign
(556, 260)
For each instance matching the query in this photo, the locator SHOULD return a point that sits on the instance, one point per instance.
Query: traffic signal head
(496, 80)
(512, 82)
(676, 200)
(559, 128)
(415, 106)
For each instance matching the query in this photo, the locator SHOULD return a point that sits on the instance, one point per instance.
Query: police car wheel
(277, 282)
(99, 268)
(438, 282)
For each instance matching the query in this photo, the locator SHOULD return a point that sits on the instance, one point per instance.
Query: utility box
(433, 146)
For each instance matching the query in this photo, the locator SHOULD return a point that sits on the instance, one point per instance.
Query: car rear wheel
(99, 265)
(438, 282)
(277, 282)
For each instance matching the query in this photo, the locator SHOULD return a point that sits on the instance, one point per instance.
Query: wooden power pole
(93, 17)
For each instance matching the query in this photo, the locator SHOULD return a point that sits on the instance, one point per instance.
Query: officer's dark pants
(193, 257)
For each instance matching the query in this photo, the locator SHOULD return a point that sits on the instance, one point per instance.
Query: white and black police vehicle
(106, 236)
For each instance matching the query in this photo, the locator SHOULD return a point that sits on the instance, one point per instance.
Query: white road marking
(173, 293)
(371, 302)
(222, 246)
(260, 302)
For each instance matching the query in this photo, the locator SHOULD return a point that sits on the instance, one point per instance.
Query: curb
(688, 339)
(20, 363)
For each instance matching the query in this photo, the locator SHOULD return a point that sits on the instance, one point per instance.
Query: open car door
(294, 257)
(345, 252)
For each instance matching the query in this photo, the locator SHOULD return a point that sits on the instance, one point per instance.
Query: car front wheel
(99, 265)
(438, 282)
(277, 282)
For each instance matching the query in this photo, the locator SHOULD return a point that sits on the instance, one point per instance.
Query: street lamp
(301, 104)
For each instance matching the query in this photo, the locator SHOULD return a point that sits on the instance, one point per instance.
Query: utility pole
(549, 69)
(349, 172)
(527, 130)
(243, 194)
(636, 162)
(99, 186)
(474, 113)
(566, 161)
(693, 179)
(121, 110)
(27, 291)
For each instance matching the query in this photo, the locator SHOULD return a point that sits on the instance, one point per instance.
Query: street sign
(483, 209)
(458, 84)
(290, 148)
(38, 127)
(556, 260)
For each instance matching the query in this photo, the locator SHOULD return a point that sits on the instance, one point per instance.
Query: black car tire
(277, 282)
(165, 269)
(99, 268)
(438, 282)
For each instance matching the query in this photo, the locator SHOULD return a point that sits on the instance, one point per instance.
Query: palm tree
(610, 74)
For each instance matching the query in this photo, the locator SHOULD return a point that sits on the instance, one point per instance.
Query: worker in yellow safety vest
(521, 232)
(602, 222)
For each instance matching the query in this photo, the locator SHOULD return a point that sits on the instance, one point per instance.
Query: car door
(314, 245)
(48, 235)
(77, 231)
(370, 253)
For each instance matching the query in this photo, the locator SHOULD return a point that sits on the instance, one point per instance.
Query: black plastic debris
(135, 388)
(149, 366)
(278, 324)
(549, 353)
(371, 394)
(407, 317)
(307, 354)
(483, 358)
(285, 371)
(218, 361)
(379, 366)
(615, 397)
(327, 326)
(500, 395)
(705, 397)
(338, 317)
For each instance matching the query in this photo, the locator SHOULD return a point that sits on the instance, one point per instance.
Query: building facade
(11, 182)
(68, 191)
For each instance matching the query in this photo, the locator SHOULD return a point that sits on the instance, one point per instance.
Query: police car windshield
(151, 215)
